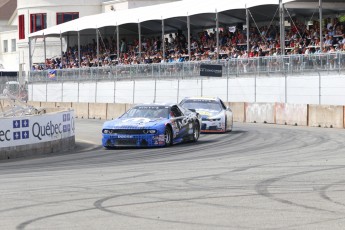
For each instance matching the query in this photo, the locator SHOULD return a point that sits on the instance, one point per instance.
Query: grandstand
(239, 31)
(172, 39)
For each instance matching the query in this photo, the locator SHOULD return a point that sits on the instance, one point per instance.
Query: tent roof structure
(201, 13)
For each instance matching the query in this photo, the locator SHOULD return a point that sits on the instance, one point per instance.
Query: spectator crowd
(264, 41)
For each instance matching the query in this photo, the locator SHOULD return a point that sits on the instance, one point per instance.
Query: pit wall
(327, 116)
(32, 135)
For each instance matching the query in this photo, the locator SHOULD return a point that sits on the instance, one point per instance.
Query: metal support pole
(67, 41)
(178, 89)
(32, 92)
(255, 88)
(163, 40)
(319, 88)
(114, 89)
(78, 56)
(227, 87)
(62, 91)
(30, 55)
(61, 51)
(188, 28)
(247, 23)
(96, 87)
(78, 91)
(97, 42)
(320, 19)
(46, 91)
(133, 92)
(201, 88)
(20, 72)
(282, 27)
(217, 35)
(155, 92)
(285, 88)
(45, 51)
(118, 41)
(139, 34)
(78, 49)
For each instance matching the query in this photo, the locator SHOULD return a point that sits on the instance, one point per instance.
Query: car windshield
(202, 104)
(148, 112)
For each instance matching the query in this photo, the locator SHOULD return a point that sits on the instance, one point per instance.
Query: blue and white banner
(27, 130)
(52, 74)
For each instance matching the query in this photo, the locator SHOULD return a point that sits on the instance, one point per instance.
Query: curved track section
(259, 176)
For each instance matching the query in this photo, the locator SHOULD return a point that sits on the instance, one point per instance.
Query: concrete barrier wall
(115, 110)
(237, 109)
(48, 105)
(97, 110)
(36, 104)
(260, 112)
(129, 106)
(64, 105)
(273, 113)
(344, 117)
(6, 103)
(291, 114)
(326, 116)
(81, 110)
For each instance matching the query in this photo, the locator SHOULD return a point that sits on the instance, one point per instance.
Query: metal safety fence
(236, 67)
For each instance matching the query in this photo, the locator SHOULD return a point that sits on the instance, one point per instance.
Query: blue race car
(152, 125)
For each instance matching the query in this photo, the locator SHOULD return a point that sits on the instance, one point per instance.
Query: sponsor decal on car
(205, 113)
(124, 136)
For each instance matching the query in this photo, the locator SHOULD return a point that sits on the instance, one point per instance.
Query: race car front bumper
(142, 140)
(212, 127)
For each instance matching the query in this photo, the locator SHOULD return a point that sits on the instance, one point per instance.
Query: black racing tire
(232, 124)
(109, 147)
(226, 125)
(196, 132)
(168, 137)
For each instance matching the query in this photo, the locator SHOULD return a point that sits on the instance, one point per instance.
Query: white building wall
(25, 7)
(129, 4)
(9, 59)
(141, 3)
(51, 8)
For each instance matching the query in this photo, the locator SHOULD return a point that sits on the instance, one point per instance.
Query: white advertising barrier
(27, 130)
(313, 89)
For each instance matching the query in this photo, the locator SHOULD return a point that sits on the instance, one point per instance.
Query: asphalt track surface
(259, 176)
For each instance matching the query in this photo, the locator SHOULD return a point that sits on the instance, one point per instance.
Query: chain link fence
(235, 67)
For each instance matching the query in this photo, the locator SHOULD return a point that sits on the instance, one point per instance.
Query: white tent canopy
(156, 12)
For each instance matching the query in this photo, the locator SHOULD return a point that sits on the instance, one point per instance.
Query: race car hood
(138, 122)
(206, 113)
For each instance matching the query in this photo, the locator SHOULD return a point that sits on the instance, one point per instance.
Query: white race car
(215, 115)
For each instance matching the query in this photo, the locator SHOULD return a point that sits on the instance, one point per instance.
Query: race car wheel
(168, 136)
(226, 125)
(196, 132)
